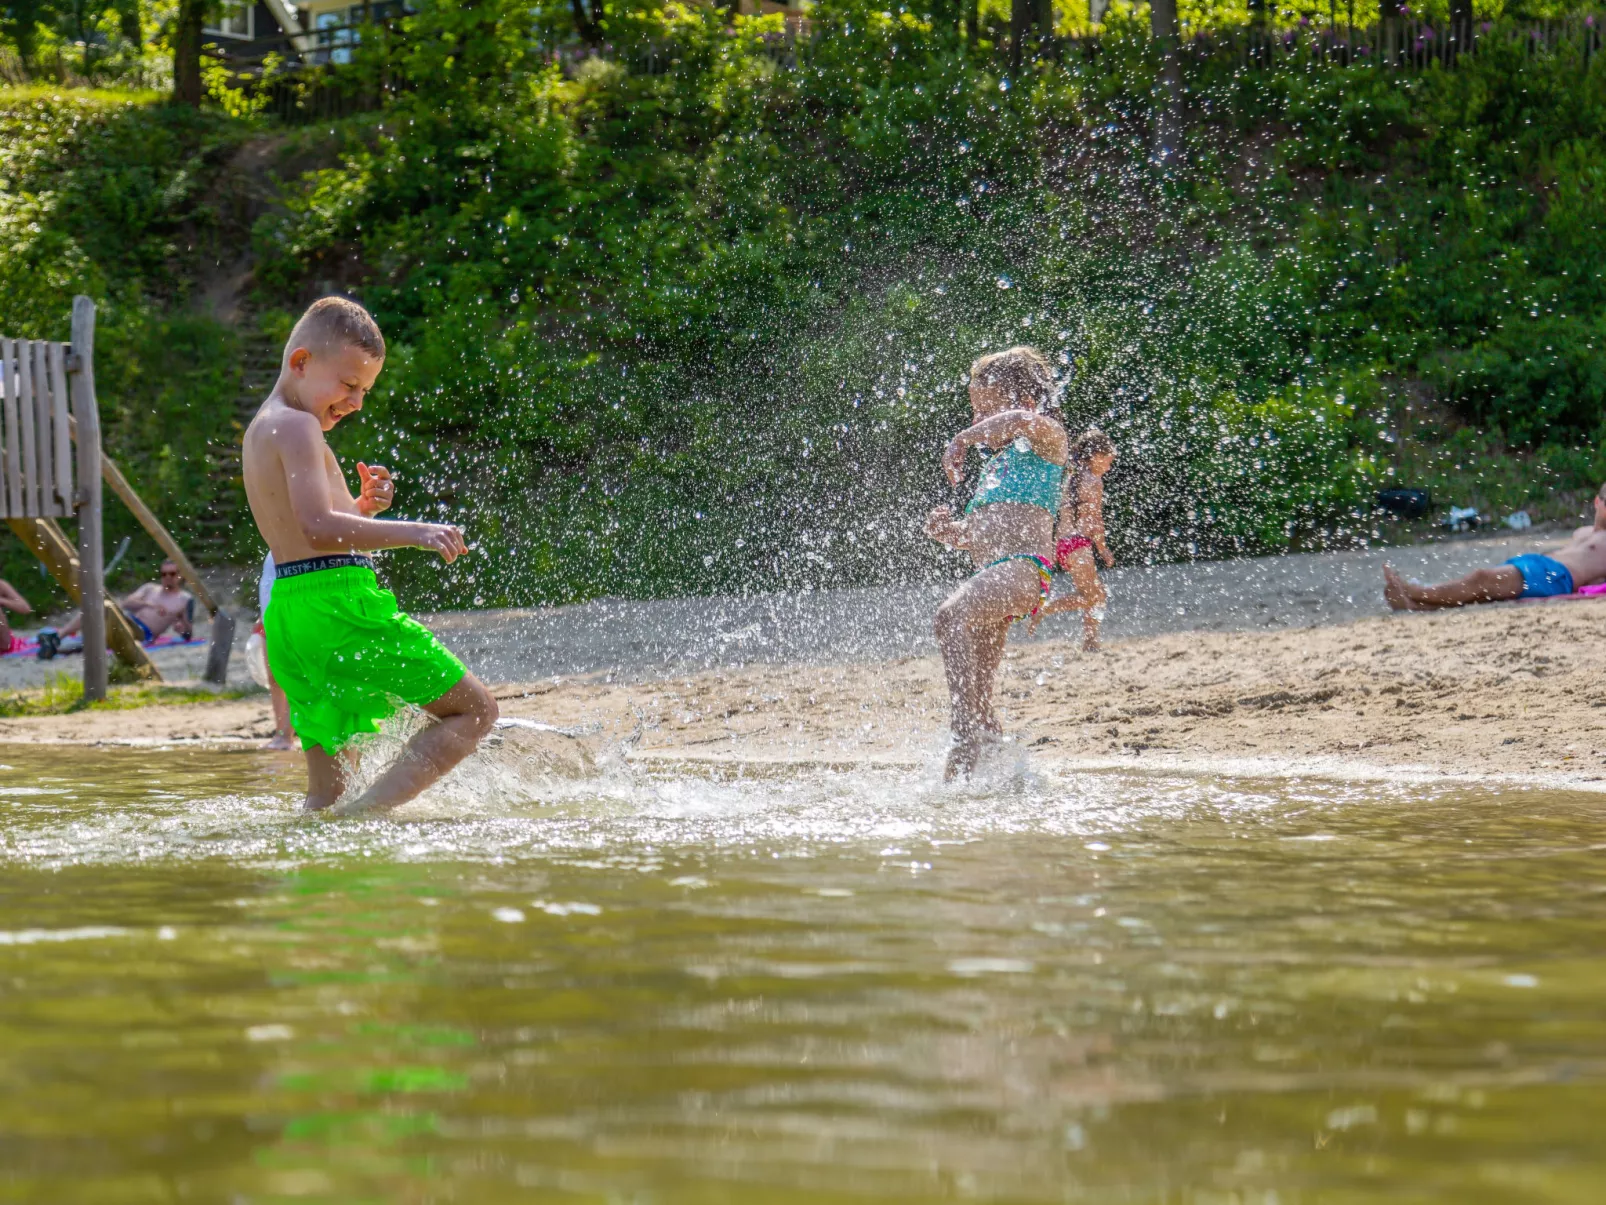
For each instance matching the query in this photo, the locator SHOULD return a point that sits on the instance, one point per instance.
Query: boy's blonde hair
(1091, 443)
(332, 322)
(1022, 372)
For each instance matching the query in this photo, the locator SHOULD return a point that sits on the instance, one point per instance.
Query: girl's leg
(990, 655)
(1090, 590)
(971, 627)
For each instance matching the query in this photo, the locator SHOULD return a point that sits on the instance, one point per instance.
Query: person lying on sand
(154, 607)
(1076, 585)
(336, 642)
(1581, 562)
(1008, 530)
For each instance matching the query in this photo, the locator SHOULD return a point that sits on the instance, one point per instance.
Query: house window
(334, 38)
(234, 19)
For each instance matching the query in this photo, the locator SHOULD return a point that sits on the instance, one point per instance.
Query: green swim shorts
(345, 655)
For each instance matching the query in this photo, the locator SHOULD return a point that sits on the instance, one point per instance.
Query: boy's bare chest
(337, 481)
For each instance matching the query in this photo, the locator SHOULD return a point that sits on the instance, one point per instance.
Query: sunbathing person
(1581, 562)
(154, 608)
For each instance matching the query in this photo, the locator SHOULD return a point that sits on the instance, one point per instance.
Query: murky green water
(1106, 988)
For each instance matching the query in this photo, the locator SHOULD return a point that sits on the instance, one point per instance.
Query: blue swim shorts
(1542, 577)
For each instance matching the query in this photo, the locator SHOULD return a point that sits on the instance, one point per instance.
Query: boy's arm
(378, 490)
(1046, 435)
(300, 445)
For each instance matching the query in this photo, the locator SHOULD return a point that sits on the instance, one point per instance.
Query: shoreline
(1498, 694)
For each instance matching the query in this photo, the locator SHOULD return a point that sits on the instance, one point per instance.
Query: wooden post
(217, 656)
(91, 552)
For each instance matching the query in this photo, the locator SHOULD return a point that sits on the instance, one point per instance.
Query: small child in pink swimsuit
(1080, 531)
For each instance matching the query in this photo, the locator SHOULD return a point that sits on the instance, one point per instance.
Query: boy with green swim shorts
(339, 646)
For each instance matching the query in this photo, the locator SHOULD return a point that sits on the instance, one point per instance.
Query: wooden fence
(36, 468)
(42, 480)
(1398, 44)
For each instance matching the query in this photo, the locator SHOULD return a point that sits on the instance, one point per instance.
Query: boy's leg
(1480, 586)
(326, 779)
(465, 714)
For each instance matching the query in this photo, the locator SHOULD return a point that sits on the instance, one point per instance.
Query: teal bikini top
(1018, 474)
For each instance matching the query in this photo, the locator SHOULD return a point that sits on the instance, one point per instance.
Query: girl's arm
(945, 529)
(1090, 517)
(1046, 435)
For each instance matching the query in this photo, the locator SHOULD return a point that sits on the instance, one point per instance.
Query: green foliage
(63, 694)
(705, 327)
(117, 197)
(696, 316)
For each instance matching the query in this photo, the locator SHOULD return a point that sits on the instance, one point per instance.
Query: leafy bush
(115, 197)
(695, 316)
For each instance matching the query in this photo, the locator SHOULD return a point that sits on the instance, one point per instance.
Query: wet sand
(1496, 692)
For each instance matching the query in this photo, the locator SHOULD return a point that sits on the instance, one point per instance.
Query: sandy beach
(1496, 692)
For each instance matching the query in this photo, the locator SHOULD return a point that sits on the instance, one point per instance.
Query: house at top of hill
(323, 31)
(316, 31)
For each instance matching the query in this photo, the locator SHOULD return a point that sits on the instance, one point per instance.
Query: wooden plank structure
(44, 387)
(47, 404)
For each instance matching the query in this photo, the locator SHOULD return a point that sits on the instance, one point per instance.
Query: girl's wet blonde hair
(1024, 373)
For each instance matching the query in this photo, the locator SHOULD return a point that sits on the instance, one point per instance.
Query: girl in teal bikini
(1008, 530)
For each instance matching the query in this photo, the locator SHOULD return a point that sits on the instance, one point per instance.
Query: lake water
(820, 987)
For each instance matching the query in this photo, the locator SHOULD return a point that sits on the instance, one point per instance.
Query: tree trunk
(972, 21)
(187, 52)
(128, 22)
(1168, 108)
(1020, 22)
(1390, 18)
(1460, 26)
(585, 23)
